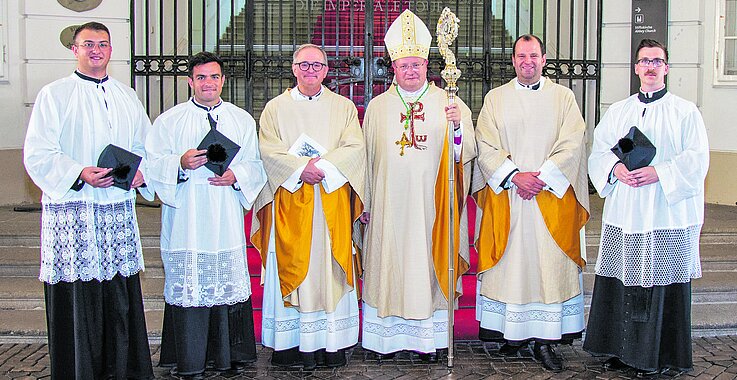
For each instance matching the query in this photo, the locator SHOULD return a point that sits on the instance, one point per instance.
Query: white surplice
(203, 245)
(90, 234)
(650, 234)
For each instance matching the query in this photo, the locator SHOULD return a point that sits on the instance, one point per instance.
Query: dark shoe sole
(614, 364)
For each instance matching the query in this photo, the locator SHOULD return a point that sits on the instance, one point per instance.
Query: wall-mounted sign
(80, 5)
(649, 20)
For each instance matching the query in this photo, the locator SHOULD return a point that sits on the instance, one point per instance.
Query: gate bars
(256, 39)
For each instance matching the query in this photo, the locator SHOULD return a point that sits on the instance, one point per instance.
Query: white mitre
(408, 37)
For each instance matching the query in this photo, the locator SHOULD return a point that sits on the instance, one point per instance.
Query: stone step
(707, 319)
(151, 240)
(33, 322)
(27, 292)
(24, 261)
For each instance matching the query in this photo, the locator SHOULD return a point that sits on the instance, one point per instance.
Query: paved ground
(714, 358)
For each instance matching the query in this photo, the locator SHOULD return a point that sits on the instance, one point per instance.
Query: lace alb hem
(532, 314)
(83, 240)
(206, 278)
(405, 329)
(320, 325)
(655, 258)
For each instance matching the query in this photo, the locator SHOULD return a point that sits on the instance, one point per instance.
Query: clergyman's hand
(137, 180)
(624, 175)
(365, 218)
(227, 179)
(528, 185)
(96, 177)
(644, 176)
(453, 114)
(312, 174)
(193, 159)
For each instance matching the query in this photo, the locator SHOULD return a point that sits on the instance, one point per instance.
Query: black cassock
(646, 328)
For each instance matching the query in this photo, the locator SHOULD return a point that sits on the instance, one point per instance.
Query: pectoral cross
(403, 142)
(413, 113)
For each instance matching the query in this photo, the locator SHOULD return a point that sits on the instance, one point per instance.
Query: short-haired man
(405, 288)
(203, 246)
(531, 188)
(90, 244)
(314, 156)
(649, 252)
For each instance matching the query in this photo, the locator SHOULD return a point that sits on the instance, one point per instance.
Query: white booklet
(305, 146)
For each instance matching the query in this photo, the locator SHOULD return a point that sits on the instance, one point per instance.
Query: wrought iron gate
(256, 39)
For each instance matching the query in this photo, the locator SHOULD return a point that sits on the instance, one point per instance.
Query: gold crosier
(447, 32)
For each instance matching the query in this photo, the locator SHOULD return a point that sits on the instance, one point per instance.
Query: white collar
(532, 87)
(412, 94)
(204, 107)
(298, 96)
(649, 94)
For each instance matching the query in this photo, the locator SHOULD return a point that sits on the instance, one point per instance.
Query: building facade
(587, 43)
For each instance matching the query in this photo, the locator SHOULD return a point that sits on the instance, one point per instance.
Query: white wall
(12, 90)
(719, 104)
(36, 57)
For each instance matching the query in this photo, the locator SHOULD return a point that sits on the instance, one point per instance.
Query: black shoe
(388, 356)
(508, 350)
(644, 374)
(309, 362)
(240, 366)
(289, 358)
(174, 373)
(546, 355)
(335, 359)
(614, 364)
(431, 357)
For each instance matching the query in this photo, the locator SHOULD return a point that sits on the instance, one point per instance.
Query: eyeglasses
(414, 66)
(91, 45)
(655, 62)
(304, 66)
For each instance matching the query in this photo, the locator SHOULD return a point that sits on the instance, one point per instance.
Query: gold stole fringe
(564, 218)
(440, 226)
(293, 223)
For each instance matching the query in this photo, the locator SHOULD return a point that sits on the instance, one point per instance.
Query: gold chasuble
(405, 250)
(313, 240)
(539, 239)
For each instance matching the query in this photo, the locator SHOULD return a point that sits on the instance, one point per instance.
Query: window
(726, 49)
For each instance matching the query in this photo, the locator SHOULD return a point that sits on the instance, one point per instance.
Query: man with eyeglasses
(405, 256)
(90, 243)
(531, 188)
(315, 158)
(649, 251)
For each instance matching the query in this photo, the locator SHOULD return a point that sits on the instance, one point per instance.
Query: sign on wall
(649, 20)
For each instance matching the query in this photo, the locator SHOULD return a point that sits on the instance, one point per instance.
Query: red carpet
(466, 327)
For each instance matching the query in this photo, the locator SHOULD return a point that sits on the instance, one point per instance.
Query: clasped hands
(636, 178)
(194, 158)
(528, 185)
